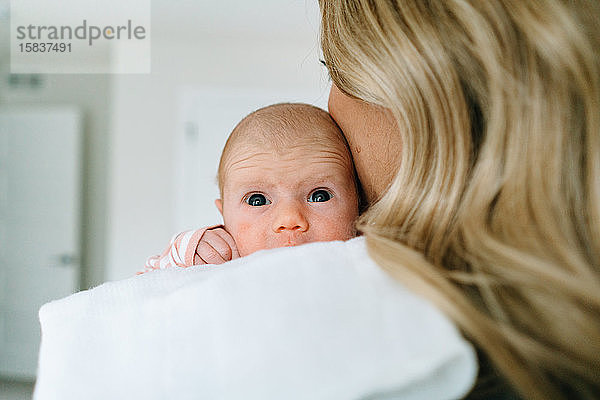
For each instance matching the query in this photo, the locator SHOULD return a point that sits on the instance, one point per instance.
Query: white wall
(146, 116)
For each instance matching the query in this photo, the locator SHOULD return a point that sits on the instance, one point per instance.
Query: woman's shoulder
(313, 321)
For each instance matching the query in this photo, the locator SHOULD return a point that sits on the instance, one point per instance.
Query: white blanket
(319, 321)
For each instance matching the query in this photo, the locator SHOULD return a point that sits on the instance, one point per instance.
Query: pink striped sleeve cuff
(180, 252)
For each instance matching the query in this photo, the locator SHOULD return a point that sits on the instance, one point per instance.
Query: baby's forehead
(306, 157)
(311, 150)
(292, 130)
(299, 167)
(307, 138)
(307, 129)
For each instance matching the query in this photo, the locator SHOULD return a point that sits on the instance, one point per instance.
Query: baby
(285, 178)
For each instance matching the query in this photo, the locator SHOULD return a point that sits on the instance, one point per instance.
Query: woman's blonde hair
(495, 211)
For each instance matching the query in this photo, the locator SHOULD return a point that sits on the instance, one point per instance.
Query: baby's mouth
(291, 242)
(292, 239)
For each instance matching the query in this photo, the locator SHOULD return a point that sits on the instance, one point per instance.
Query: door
(40, 196)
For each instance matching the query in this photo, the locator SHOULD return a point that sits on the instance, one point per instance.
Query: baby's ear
(219, 204)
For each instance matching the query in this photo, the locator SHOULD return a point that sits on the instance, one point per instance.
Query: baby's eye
(257, 200)
(319, 196)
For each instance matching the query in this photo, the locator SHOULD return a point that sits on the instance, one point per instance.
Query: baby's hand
(212, 245)
(216, 247)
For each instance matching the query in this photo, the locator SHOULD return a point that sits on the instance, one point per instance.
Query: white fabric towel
(319, 321)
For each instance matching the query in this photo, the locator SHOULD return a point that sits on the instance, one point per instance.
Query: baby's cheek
(340, 228)
(345, 231)
(247, 239)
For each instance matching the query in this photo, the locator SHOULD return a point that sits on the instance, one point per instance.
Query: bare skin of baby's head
(286, 178)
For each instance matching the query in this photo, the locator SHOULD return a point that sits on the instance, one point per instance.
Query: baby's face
(275, 200)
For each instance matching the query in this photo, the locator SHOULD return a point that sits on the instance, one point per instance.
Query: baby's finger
(230, 241)
(208, 254)
(219, 244)
(197, 259)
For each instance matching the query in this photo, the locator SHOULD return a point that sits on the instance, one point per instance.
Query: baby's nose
(289, 216)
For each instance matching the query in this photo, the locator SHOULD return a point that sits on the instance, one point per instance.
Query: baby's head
(286, 178)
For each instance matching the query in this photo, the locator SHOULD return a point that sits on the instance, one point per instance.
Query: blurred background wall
(150, 141)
